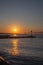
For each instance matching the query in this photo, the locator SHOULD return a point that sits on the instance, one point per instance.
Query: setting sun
(14, 29)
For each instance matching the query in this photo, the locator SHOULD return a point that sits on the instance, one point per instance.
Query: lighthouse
(31, 33)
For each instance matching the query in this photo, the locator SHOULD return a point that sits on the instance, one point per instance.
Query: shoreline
(8, 36)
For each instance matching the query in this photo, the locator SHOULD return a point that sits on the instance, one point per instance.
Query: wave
(8, 59)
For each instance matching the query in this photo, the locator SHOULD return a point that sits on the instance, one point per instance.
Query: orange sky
(24, 15)
(20, 30)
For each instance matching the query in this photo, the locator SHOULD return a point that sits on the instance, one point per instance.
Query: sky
(24, 15)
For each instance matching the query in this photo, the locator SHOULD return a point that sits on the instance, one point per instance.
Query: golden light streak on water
(15, 50)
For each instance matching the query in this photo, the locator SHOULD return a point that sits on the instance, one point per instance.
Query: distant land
(25, 33)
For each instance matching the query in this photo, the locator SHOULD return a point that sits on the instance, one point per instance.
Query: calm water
(22, 47)
(22, 51)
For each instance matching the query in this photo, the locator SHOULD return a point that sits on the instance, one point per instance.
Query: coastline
(8, 36)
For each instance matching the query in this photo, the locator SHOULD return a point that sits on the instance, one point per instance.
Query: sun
(14, 29)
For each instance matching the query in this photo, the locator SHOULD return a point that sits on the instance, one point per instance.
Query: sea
(20, 51)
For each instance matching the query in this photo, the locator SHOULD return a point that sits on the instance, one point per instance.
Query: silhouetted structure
(31, 32)
(3, 36)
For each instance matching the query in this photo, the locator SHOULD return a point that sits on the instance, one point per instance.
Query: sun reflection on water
(15, 47)
(15, 35)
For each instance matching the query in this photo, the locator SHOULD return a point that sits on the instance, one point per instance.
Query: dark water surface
(25, 51)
